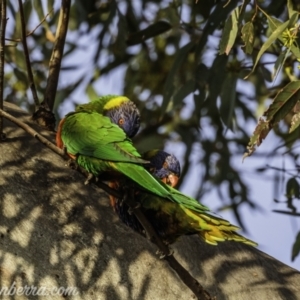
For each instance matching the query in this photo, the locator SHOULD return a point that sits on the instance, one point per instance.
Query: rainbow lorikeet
(170, 219)
(97, 137)
(100, 143)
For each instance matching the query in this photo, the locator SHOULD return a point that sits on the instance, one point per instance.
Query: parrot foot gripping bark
(131, 209)
(89, 178)
(162, 255)
(72, 164)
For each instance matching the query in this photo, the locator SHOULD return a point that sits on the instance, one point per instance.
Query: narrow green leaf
(260, 133)
(201, 78)
(151, 31)
(276, 33)
(279, 63)
(169, 88)
(267, 75)
(217, 16)
(274, 23)
(38, 6)
(21, 76)
(198, 101)
(295, 122)
(27, 8)
(292, 188)
(296, 247)
(184, 91)
(290, 7)
(248, 37)
(91, 92)
(284, 102)
(217, 75)
(228, 95)
(230, 32)
(119, 44)
(50, 5)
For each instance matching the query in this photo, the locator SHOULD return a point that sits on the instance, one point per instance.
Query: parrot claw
(163, 255)
(72, 164)
(171, 252)
(131, 209)
(64, 148)
(89, 178)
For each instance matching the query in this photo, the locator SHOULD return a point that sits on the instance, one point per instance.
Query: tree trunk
(57, 232)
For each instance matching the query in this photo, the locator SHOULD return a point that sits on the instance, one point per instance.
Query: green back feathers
(94, 135)
(100, 145)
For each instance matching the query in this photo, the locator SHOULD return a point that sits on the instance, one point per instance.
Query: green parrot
(97, 137)
(170, 219)
(100, 143)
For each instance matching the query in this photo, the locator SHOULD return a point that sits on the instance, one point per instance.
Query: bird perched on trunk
(97, 137)
(101, 143)
(169, 219)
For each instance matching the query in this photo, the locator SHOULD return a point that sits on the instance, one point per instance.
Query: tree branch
(27, 58)
(184, 275)
(57, 54)
(2, 47)
(32, 132)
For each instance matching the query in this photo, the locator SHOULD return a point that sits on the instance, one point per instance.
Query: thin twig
(42, 21)
(27, 58)
(33, 30)
(183, 274)
(57, 54)
(2, 47)
(32, 132)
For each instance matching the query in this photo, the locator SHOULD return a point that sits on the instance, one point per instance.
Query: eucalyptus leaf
(276, 33)
(180, 57)
(248, 37)
(295, 122)
(283, 103)
(228, 96)
(230, 32)
(150, 32)
(296, 247)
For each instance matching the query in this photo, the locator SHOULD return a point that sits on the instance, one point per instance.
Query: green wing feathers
(182, 220)
(93, 135)
(214, 230)
(100, 146)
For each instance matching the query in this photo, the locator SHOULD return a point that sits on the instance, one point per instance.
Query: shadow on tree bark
(57, 232)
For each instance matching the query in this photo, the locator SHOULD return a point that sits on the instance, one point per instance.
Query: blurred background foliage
(184, 64)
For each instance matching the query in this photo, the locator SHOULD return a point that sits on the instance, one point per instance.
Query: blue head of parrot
(127, 116)
(163, 165)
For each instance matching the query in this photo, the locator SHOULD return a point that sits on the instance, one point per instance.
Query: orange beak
(173, 180)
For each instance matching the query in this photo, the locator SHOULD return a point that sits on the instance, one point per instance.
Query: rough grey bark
(55, 231)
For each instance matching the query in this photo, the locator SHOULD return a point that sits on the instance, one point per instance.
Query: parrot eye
(121, 122)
